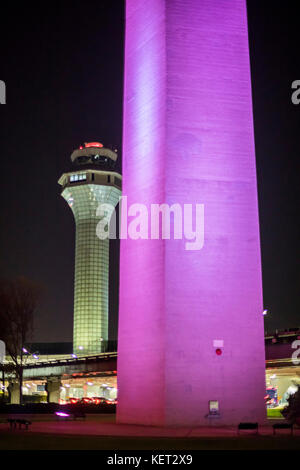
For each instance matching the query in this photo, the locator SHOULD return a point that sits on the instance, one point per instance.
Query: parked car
(74, 400)
(93, 401)
(111, 401)
(86, 401)
(98, 400)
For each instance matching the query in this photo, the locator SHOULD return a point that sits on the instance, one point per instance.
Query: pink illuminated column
(188, 138)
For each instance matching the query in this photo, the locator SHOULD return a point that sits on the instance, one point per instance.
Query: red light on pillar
(218, 352)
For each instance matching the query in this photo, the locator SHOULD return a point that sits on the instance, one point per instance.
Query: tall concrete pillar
(53, 389)
(191, 337)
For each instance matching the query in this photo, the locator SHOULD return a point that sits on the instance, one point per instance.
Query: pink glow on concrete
(61, 413)
(188, 138)
(104, 425)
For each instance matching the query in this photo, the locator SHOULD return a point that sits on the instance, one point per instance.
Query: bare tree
(18, 302)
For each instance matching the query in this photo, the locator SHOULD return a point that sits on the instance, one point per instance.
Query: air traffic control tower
(91, 182)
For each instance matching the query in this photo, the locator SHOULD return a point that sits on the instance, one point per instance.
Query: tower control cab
(93, 153)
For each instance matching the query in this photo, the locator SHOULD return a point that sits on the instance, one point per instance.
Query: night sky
(63, 68)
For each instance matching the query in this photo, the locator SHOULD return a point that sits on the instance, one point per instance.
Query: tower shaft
(86, 191)
(91, 289)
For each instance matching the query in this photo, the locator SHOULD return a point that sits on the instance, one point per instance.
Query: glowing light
(218, 352)
(93, 144)
(265, 312)
(61, 413)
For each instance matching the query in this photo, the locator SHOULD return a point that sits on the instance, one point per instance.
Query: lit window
(78, 177)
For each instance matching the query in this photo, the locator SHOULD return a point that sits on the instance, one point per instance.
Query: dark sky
(63, 64)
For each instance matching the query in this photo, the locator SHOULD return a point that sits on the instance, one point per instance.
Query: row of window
(78, 177)
(83, 177)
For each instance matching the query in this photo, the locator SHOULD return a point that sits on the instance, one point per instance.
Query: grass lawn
(274, 412)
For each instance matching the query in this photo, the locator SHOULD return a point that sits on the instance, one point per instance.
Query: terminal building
(57, 376)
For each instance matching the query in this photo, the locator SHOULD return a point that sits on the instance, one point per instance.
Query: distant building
(55, 375)
(282, 364)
